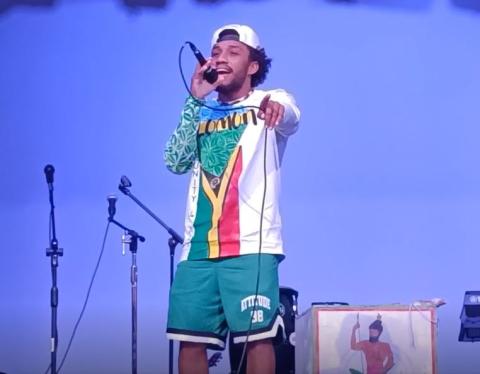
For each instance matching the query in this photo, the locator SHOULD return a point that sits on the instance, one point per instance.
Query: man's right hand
(356, 326)
(199, 87)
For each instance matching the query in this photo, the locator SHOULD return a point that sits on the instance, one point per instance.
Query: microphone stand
(132, 240)
(53, 252)
(174, 239)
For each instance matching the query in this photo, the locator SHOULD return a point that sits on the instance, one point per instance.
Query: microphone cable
(260, 238)
(85, 302)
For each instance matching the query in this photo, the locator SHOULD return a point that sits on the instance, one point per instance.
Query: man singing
(234, 146)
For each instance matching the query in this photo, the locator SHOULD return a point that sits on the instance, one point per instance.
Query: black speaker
(284, 348)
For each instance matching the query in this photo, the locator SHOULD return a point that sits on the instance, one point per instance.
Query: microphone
(125, 182)
(210, 75)
(112, 199)
(49, 170)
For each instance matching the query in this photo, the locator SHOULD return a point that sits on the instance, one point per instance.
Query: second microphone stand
(132, 238)
(174, 239)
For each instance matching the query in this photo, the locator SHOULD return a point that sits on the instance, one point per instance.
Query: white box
(407, 341)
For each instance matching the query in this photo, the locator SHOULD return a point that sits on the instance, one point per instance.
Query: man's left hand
(271, 112)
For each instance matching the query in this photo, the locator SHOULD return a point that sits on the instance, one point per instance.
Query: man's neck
(236, 99)
(226, 97)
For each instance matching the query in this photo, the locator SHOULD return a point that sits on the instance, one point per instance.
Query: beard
(373, 339)
(229, 88)
(233, 86)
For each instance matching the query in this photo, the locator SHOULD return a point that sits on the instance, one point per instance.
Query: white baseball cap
(242, 33)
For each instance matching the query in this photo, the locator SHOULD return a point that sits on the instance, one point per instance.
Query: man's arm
(356, 346)
(181, 149)
(389, 364)
(289, 114)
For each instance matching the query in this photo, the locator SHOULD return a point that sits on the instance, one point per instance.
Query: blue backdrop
(381, 192)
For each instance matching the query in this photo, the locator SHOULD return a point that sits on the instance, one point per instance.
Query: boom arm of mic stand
(171, 231)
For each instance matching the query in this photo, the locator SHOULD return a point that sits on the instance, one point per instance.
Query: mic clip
(126, 240)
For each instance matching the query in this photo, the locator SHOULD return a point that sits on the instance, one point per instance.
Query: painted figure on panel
(378, 354)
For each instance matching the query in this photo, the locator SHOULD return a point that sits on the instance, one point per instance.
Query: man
(378, 354)
(232, 224)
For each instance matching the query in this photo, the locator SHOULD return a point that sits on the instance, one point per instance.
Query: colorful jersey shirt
(232, 158)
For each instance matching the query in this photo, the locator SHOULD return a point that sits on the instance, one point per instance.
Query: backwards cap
(241, 33)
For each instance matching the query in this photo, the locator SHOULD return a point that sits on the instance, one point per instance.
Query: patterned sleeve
(181, 149)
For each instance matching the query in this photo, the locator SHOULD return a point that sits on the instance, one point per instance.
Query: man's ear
(253, 67)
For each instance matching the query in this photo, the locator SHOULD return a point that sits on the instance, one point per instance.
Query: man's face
(374, 335)
(232, 60)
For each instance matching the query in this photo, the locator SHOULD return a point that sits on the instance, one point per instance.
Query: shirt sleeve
(181, 149)
(291, 117)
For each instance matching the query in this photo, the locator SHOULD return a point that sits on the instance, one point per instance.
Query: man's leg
(238, 287)
(195, 315)
(192, 358)
(260, 357)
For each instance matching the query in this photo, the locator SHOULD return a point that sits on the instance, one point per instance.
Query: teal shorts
(210, 297)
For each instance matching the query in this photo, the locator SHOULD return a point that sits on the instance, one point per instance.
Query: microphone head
(49, 170)
(111, 198)
(125, 182)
